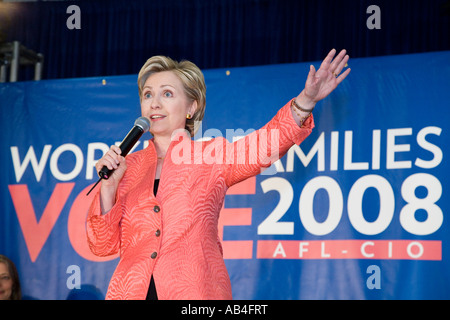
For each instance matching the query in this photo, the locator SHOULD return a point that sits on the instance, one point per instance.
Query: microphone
(141, 125)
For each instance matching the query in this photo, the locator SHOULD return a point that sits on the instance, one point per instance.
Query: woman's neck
(162, 142)
(161, 145)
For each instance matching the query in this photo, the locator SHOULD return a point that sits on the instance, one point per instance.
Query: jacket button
(158, 233)
(154, 254)
(156, 209)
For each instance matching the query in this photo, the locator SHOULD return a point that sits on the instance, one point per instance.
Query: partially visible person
(9, 280)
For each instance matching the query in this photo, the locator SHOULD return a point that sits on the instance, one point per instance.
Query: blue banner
(357, 211)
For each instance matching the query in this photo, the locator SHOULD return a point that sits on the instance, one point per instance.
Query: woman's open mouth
(156, 117)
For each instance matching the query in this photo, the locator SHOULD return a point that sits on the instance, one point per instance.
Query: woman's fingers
(343, 76)
(116, 149)
(335, 63)
(111, 162)
(312, 72)
(111, 159)
(341, 65)
(327, 61)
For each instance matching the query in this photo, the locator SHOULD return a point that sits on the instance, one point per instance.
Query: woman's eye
(167, 94)
(147, 95)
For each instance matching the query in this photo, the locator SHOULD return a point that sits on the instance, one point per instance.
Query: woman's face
(6, 282)
(165, 103)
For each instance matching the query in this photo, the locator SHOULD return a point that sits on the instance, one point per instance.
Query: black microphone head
(143, 123)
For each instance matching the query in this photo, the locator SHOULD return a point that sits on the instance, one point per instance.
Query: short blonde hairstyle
(191, 77)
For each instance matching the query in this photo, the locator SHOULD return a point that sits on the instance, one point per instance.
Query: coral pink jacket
(174, 236)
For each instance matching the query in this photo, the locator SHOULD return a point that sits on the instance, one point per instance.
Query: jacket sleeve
(246, 157)
(103, 230)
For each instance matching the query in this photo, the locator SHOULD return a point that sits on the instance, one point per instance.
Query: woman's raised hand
(322, 82)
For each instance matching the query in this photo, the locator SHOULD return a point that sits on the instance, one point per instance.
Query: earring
(188, 116)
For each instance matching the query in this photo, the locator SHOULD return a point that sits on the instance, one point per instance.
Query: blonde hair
(191, 77)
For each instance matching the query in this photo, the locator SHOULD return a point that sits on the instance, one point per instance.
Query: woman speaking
(160, 207)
